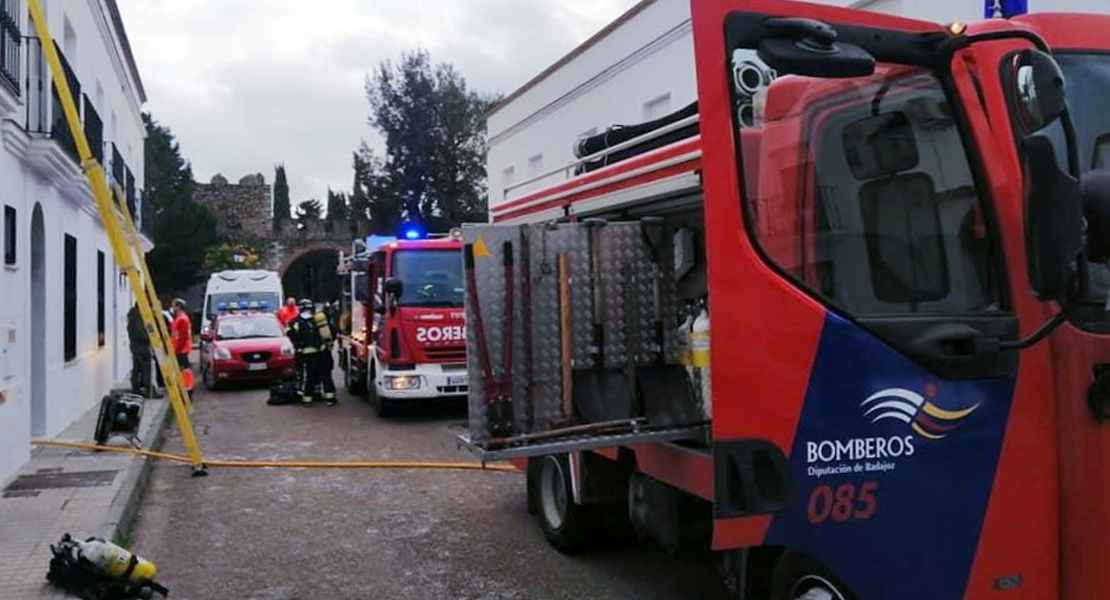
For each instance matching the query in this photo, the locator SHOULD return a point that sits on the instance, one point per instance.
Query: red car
(245, 347)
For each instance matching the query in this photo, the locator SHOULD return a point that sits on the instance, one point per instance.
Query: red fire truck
(898, 231)
(402, 328)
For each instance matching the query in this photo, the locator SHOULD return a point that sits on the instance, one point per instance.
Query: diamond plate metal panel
(489, 277)
(627, 311)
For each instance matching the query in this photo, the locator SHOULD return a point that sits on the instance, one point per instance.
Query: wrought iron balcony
(117, 166)
(44, 110)
(94, 130)
(59, 129)
(129, 193)
(10, 40)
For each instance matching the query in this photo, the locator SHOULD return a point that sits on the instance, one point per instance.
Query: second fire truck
(402, 327)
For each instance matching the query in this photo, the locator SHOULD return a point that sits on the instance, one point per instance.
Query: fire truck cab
(898, 231)
(402, 327)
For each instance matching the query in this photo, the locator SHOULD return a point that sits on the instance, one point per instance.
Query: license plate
(456, 380)
(256, 367)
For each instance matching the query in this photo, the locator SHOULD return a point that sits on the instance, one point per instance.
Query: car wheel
(209, 379)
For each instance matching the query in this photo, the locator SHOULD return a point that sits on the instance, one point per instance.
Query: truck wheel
(798, 577)
(567, 526)
(355, 382)
(382, 406)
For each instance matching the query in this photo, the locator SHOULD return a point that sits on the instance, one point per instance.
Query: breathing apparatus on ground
(96, 569)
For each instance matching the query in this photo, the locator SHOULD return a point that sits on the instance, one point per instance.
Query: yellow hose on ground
(298, 464)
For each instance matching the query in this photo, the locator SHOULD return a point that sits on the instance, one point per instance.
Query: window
(100, 288)
(9, 236)
(429, 278)
(875, 209)
(535, 165)
(657, 107)
(70, 298)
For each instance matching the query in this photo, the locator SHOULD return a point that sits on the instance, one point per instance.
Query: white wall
(609, 83)
(72, 387)
(648, 56)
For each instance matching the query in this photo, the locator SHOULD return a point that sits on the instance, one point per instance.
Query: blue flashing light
(1005, 8)
(221, 307)
(412, 234)
(262, 304)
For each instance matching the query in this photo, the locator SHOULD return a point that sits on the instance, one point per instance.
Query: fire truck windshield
(429, 278)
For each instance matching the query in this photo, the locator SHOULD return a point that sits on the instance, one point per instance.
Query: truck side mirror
(1053, 221)
(393, 286)
(393, 290)
(1038, 90)
(798, 46)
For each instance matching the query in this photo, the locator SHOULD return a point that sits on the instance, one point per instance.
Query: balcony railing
(117, 165)
(46, 117)
(44, 111)
(94, 130)
(59, 129)
(10, 40)
(129, 193)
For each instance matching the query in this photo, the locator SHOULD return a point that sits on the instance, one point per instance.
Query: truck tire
(382, 406)
(568, 527)
(354, 380)
(799, 577)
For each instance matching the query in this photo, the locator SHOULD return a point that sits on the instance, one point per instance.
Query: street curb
(121, 513)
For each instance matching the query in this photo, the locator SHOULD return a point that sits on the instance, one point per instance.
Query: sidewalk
(98, 498)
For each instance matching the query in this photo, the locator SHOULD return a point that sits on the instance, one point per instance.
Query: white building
(63, 316)
(638, 68)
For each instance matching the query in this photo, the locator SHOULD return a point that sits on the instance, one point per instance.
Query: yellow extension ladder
(126, 245)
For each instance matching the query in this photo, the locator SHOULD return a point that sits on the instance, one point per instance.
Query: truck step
(577, 441)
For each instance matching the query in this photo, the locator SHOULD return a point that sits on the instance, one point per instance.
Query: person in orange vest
(181, 332)
(288, 312)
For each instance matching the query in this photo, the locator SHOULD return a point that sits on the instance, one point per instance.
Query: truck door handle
(956, 341)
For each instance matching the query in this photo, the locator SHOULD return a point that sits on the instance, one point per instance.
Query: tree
(183, 229)
(281, 195)
(309, 210)
(376, 194)
(433, 170)
(337, 206)
(233, 255)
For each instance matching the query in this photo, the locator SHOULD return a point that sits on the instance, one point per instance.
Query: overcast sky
(245, 84)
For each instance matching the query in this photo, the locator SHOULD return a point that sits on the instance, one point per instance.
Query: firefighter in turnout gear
(312, 337)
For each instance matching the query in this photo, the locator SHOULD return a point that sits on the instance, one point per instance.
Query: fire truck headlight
(287, 349)
(402, 382)
(222, 354)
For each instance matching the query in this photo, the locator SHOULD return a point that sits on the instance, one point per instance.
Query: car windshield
(429, 278)
(237, 328)
(243, 299)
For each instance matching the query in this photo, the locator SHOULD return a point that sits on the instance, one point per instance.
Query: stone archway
(310, 272)
(299, 253)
